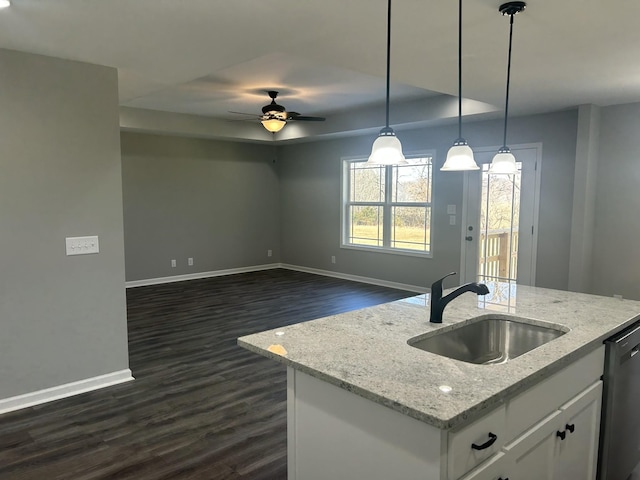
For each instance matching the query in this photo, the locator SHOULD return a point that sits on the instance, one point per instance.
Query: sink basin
(488, 339)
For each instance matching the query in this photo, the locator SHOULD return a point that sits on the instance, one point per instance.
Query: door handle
(562, 434)
(468, 238)
(571, 427)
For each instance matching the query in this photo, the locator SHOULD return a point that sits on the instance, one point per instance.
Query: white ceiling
(206, 57)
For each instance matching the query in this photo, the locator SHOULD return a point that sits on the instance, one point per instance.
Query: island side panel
(333, 433)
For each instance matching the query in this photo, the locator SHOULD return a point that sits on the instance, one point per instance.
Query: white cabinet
(495, 469)
(476, 442)
(539, 443)
(576, 455)
(548, 432)
(532, 455)
(564, 445)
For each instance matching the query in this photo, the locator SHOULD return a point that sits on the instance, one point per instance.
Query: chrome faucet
(438, 302)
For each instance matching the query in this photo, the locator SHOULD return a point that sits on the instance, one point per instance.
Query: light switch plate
(451, 209)
(82, 245)
(452, 219)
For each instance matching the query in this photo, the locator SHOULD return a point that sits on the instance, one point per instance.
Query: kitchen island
(362, 403)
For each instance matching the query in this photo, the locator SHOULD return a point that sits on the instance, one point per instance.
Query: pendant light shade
(504, 161)
(460, 155)
(387, 149)
(459, 158)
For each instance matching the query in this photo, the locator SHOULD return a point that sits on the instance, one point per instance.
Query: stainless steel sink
(488, 339)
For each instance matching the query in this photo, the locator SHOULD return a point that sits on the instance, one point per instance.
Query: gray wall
(62, 318)
(310, 200)
(214, 201)
(616, 257)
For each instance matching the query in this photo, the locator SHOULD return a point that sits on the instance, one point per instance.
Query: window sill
(387, 250)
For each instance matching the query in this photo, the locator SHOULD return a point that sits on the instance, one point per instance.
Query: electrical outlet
(269, 253)
(333, 259)
(174, 264)
(452, 219)
(82, 245)
(619, 297)
(190, 261)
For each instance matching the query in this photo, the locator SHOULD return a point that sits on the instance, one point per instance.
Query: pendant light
(460, 155)
(387, 149)
(504, 161)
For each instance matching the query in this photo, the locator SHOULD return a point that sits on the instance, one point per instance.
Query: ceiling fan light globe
(503, 162)
(387, 150)
(273, 125)
(459, 158)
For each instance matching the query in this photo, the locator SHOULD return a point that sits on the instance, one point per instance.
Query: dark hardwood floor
(201, 407)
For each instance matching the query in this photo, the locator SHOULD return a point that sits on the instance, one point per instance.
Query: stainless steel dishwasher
(620, 427)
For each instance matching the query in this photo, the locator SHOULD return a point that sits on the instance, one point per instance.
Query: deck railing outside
(499, 254)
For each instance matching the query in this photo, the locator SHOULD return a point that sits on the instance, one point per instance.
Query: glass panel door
(499, 218)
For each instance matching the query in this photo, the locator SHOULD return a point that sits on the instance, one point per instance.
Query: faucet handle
(436, 287)
(447, 275)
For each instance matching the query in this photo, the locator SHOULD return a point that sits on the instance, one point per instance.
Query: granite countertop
(366, 351)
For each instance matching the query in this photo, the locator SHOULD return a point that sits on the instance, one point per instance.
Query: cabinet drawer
(488, 436)
(494, 469)
(536, 403)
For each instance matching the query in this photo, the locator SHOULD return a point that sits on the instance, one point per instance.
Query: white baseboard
(199, 275)
(271, 266)
(63, 391)
(356, 278)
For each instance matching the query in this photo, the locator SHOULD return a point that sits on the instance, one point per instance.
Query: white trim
(271, 266)
(356, 278)
(346, 163)
(291, 424)
(387, 250)
(536, 206)
(199, 275)
(536, 212)
(464, 219)
(63, 391)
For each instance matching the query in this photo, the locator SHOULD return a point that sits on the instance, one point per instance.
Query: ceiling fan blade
(252, 120)
(242, 113)
(304, 118)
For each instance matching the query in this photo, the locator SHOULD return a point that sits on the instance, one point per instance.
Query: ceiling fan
(274, 116)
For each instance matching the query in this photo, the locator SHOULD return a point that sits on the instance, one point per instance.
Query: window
(387, 207)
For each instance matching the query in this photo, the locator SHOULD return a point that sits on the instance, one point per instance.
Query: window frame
(387, 205)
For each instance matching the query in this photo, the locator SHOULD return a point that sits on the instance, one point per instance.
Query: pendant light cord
(506, 103)
(460, 69)
(388, 59)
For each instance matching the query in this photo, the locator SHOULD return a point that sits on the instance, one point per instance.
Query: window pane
(412, 183)
(388, 207)
(411, 228)
(500, 211)
(365, 225)
(367, 183)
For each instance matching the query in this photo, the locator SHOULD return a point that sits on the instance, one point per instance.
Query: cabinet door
(577, 454)
(532, 455)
